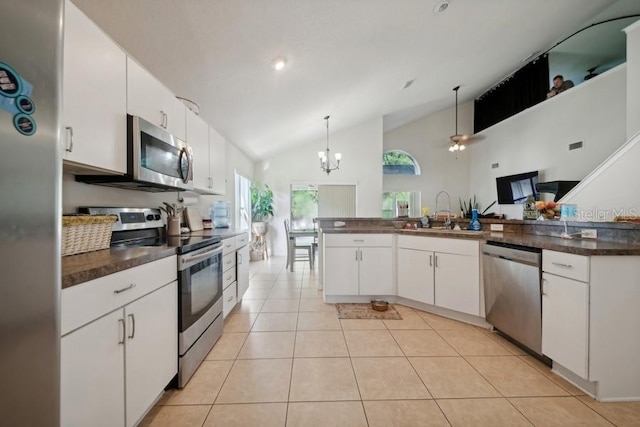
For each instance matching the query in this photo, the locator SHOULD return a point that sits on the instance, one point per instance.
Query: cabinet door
(415, 275)
(151, 348)
(341, 271)
(242, 268)
(457, 282)
(94, 97)
(148, 98)
(217, 162)
(92, 374)
(376, 271)
(198, 139)
(565, 327)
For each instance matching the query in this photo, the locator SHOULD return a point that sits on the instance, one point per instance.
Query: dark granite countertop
(81, 268)
(574, 246)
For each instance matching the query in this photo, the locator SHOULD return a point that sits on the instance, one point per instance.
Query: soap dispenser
(475, 223)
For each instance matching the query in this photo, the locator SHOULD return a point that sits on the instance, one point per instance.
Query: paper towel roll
(189, 200)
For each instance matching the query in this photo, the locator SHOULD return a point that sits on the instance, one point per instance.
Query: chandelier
(325, 160)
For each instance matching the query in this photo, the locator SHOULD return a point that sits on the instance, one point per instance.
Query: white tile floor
(286, 359)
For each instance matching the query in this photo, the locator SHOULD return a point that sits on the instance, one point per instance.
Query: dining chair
(292, 250)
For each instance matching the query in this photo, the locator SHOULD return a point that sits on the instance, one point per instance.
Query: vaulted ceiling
(346, 58)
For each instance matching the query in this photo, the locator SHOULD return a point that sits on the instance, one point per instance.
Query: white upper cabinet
(198, 140)
(94, 97)
(148, 98)
(217, 162)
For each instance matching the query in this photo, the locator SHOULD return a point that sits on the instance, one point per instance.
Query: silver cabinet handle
(358, 240)
(70, 147)
(430, 260)
(543, 288)
(230, 298)
(118, 291)
(356, 254)
(165, 119)
(360, 250)
(133, 326)
(436, 259)
(560, 264)
(239, 258)
(123, 330)
(229, 277)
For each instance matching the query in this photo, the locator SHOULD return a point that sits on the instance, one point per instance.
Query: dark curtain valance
(525, 88)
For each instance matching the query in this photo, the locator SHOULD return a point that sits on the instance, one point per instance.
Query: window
(304, 206)
(396, 162)
(243, 202)
(390, 202)
(311, 201)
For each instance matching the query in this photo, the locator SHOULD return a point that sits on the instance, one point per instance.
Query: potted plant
(261, 212)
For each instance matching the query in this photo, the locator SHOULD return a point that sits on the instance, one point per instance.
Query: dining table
(295, 234)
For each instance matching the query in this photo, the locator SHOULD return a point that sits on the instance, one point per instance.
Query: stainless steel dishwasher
(513, 301)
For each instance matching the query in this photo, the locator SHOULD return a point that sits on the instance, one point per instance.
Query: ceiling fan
(458, 140)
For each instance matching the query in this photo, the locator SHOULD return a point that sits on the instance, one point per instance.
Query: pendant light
(325, 159)
(457, 139)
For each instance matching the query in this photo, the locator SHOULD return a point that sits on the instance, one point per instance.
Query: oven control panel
(129, 218)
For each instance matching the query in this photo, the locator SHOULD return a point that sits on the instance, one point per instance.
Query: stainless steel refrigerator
(30, 208)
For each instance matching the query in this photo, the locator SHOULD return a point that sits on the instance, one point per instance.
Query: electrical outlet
(497, 227)
(589, 234)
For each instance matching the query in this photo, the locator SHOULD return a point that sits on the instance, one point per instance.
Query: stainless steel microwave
(156, 161)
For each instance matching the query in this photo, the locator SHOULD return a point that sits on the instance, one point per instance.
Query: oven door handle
(188, 260)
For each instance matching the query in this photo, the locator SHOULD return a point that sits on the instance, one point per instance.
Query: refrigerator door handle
(69, 148)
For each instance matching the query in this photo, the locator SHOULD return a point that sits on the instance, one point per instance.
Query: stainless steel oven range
(199, 280)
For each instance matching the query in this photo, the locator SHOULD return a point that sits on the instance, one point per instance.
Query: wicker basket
(86, 233)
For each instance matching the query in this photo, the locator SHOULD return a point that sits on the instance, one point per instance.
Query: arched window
(397, 162)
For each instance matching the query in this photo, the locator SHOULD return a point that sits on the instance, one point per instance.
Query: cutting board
(193, 218)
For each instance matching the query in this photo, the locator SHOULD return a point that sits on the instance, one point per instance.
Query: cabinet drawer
(242, 240)
(87, 301)
(228, 277)
(228, 261)
(228, 245)
(566, 265)
(358, 240)
(228, 299)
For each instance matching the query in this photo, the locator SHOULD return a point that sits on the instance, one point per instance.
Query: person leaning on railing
(559, 85)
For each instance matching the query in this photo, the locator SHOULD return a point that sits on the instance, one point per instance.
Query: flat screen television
(514, 189)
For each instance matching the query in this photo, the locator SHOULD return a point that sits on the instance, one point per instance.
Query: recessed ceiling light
(441, 6)
(278, 64)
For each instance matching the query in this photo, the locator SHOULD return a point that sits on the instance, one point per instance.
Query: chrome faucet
(447, 223)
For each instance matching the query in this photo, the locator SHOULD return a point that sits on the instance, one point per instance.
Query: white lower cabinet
(115, 364)
(242, 270)
(415, 275)
(151, 348)
(92, 374)
(565, 322)
(457, 282)
(443, 272)
(341, 271)
(358, 264)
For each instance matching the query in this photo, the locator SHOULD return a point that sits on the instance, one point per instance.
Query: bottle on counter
(529, 210)
(475, 222)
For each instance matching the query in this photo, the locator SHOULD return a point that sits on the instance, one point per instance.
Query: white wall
(361, 148)
(610, 190)
(236, 160)
(593, 112)
(633, 79)
(427, 140)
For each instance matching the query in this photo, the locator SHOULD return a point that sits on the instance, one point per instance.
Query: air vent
(495, 165)
(575, 145)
